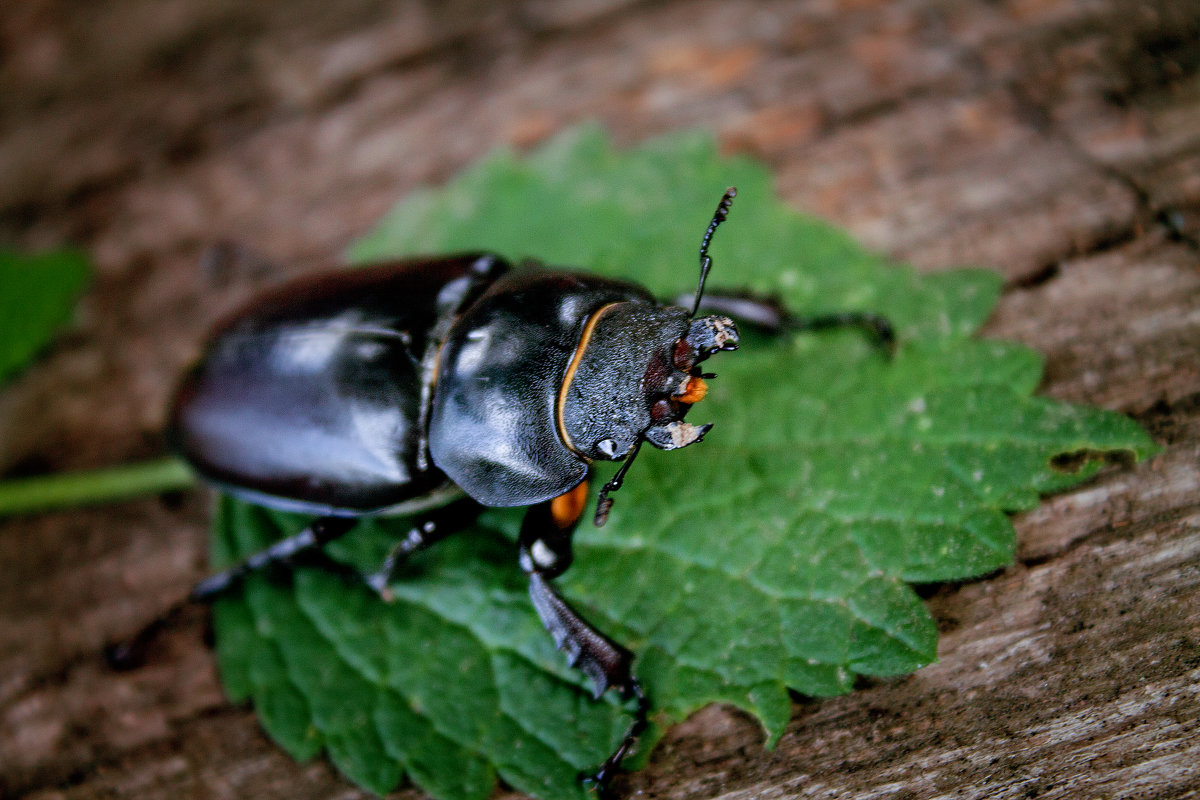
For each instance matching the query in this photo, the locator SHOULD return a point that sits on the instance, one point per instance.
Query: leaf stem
(50, 492)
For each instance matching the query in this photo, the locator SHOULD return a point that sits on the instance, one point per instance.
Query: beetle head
(636, 375)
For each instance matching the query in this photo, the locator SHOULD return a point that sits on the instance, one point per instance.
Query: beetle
(438, 386)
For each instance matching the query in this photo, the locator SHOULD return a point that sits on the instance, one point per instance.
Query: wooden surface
(1055, 141)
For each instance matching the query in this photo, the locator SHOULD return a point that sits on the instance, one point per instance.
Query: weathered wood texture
(1056, 141)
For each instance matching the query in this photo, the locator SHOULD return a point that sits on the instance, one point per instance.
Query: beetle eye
(682, 356)
(662, 410)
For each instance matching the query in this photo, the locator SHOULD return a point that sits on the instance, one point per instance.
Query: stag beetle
(437, 386)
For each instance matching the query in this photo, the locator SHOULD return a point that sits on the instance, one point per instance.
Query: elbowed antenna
(705, 260)
(604, 502)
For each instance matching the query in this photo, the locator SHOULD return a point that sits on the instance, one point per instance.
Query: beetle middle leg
(427, 531)
(545, 553)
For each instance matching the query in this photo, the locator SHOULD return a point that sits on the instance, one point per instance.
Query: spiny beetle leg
(769, 314)
(434, 527)
(305, 547)
(545, 546)
(285, 552)
(131, 653)
(604, 661)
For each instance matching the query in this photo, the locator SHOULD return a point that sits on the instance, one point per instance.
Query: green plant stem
(49, 492)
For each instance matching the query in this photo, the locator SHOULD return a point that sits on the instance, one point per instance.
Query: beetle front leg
(769, 314)
(545, 552)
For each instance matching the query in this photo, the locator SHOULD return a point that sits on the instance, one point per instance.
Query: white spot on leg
(543, 556)
(723, 332)
(683, 433)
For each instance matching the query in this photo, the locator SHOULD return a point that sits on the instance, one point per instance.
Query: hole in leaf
(1075, 460)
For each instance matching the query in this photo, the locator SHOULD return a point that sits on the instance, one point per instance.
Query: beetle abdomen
(313, 395)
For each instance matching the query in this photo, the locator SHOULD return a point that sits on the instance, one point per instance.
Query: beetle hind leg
(283, 553)
(130, 653)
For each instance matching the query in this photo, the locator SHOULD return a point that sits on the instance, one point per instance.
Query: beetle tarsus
(602, 777)
(129, 654)
(877, 326)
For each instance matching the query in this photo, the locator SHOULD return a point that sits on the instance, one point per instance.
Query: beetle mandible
(438, 386)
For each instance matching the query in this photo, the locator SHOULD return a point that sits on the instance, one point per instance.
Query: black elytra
(438, 386)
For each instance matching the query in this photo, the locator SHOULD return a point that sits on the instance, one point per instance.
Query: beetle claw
(676, 434)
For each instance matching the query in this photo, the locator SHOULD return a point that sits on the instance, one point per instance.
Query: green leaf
(37, 293)
(774, 557)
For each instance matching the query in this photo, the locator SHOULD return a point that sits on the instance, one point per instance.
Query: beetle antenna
(604, 502)
(705, 260)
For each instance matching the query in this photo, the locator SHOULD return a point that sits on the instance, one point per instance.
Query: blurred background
(1055, 141)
